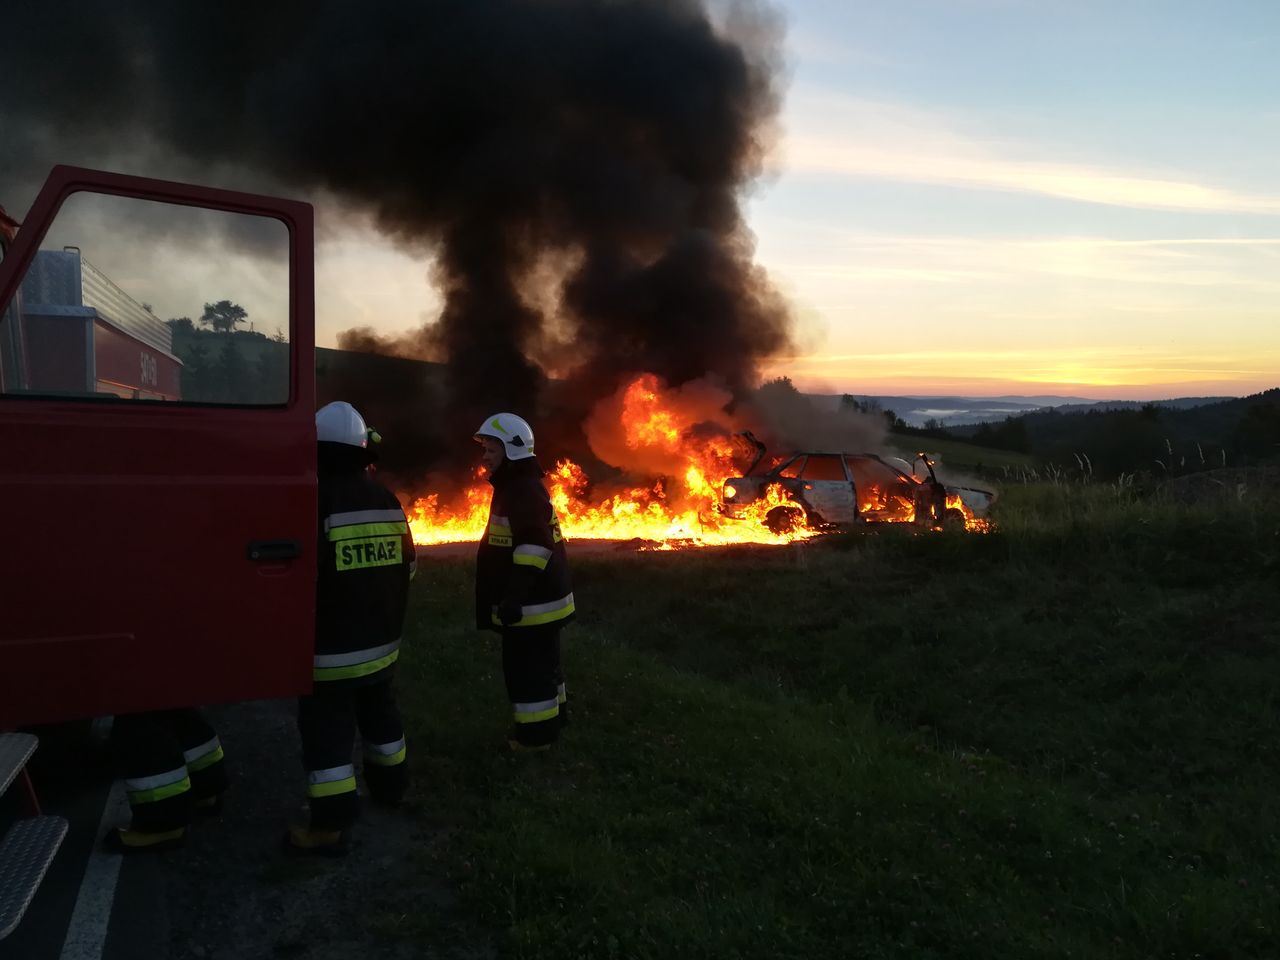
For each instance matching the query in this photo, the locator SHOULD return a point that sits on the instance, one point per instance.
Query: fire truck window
(824, 468)
(792, 469)
(137, 300)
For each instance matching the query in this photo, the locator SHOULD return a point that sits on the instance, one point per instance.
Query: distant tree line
(1162, 440)
(1150, 439)
(225, 365)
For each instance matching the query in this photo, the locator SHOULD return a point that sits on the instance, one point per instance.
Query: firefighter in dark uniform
(366, 560)
(172, 765)
(523, 588)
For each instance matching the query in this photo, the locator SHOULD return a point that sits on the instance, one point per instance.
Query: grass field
(1058, 740)
(958, 455)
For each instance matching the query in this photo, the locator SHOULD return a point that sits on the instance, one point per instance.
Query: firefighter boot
(302, 840)
(516, 743)
(127, 840)
(207, 807)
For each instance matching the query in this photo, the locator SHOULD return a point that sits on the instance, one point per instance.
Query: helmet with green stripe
(514, 433)
(340, 422)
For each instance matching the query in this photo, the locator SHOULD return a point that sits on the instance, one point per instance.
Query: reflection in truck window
(137, 300)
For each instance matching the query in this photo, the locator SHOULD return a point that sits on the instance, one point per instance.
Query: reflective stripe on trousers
(357, 663)
(205, 755)
(537, 711)
(161, 786)
(385, 754)
(335, 780)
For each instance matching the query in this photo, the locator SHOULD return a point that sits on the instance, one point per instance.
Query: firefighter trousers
(535, 683)
(169, 761)
(328, 719)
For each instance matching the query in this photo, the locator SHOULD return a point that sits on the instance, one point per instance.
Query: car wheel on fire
(782, 520)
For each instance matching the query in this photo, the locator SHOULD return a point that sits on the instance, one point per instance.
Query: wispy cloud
(822, 254)
(832, 134)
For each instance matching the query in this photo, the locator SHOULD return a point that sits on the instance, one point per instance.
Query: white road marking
(87, 931)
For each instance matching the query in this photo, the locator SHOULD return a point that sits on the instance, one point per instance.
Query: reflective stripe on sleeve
(535, 712)
(562, 693)
(499, 532)
(385, 754)
(334, 780)
(531, 555)
(160, 786)
(534, 614)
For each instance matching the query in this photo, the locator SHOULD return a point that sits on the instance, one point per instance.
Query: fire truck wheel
(782, 520)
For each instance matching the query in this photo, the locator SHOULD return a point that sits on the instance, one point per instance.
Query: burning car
(841, 489)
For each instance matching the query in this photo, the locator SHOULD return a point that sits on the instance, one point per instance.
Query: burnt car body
(844, 489)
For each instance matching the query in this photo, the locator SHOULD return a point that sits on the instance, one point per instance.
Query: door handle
(274, 550)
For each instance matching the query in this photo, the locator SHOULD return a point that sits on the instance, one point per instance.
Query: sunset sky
(1001, 196)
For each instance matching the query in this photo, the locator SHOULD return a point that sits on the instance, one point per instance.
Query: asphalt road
(76, 913)
(229, 893)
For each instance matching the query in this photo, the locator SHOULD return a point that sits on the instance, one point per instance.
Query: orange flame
(681, 509)
(645, 513)
(971, 523)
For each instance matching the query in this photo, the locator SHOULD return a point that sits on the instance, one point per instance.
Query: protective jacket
(366, 559)
(522, 559)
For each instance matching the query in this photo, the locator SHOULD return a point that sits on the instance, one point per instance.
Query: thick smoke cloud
(611, 138)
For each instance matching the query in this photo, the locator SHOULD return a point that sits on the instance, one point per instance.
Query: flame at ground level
(636, 513)
(972, 523)
(643, 513)
(652, 430)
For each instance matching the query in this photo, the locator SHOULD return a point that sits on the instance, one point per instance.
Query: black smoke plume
(575, 166)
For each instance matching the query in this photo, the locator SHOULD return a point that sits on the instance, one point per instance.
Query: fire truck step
(25, 854)
(15, 750)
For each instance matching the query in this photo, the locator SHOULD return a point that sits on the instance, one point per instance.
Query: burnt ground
(232, 894)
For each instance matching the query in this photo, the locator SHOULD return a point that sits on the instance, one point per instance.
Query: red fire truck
(160, 551)
(78, 331)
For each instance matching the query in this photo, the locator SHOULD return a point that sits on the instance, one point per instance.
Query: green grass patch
(1055, 740)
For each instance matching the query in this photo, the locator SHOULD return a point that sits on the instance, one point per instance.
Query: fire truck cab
(157, 480)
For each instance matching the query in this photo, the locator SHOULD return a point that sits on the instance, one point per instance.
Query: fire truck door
(157, 472)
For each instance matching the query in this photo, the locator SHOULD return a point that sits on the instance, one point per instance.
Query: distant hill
(957, 411)
(1161, 438)
(1178, 403)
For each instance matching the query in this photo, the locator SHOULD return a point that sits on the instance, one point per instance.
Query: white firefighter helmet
(339, 422)
(516, 435)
